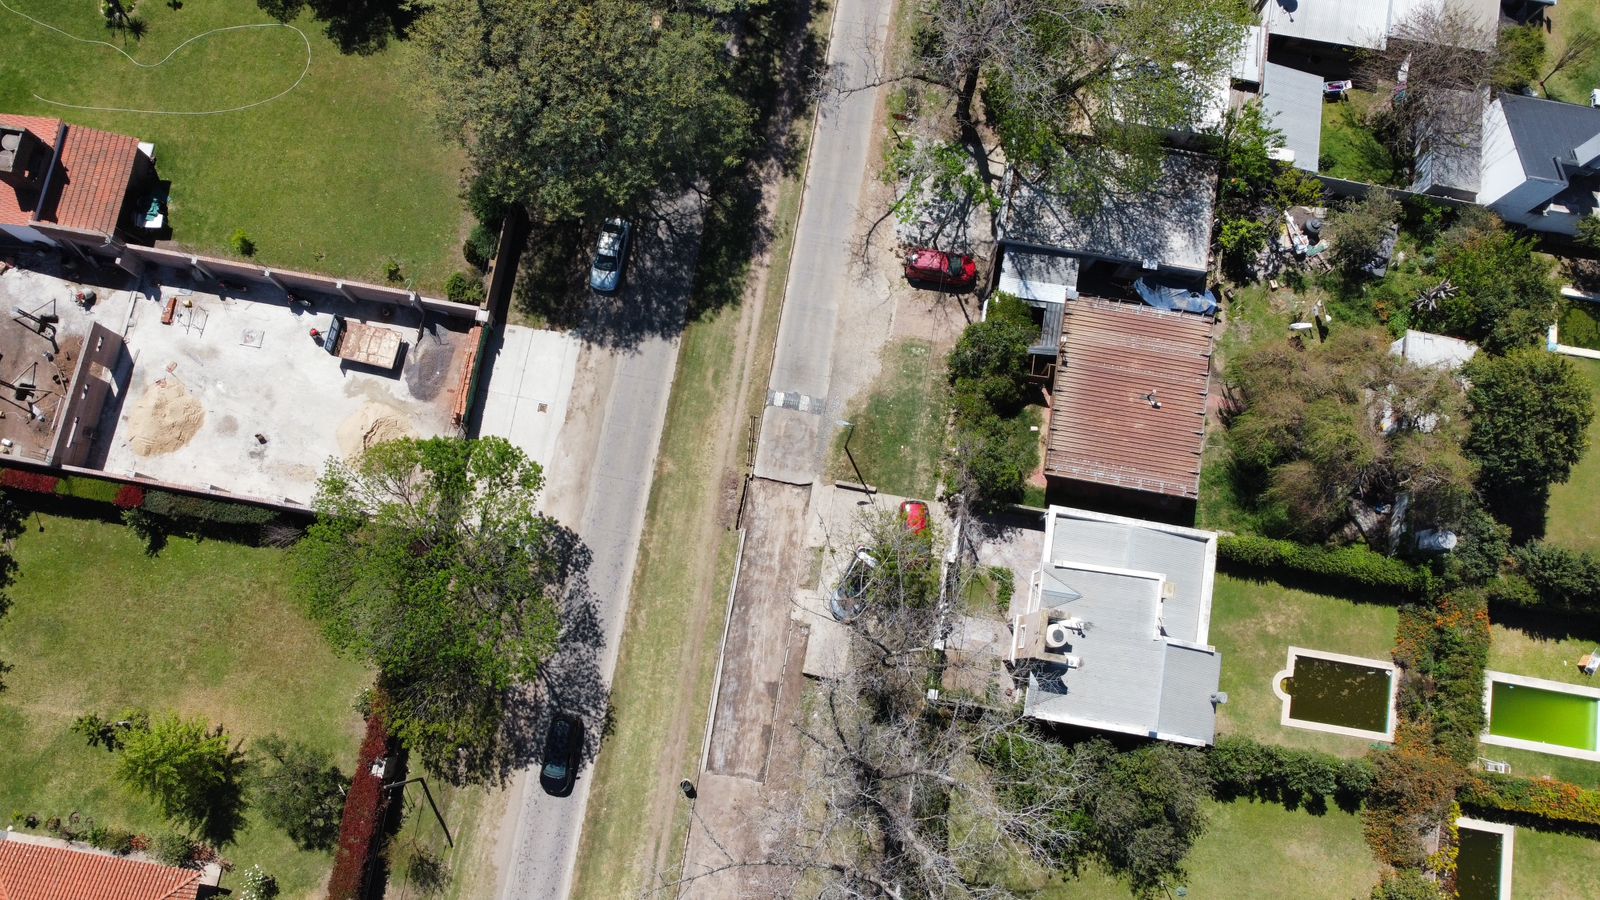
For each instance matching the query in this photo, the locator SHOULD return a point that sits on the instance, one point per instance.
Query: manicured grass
(1573, 83)
(900, 427)
(1252, 849)
(1253, 624)
(1350, 147)
(1579, 325)
(1551, 866)
(1570, 518)
(1523, 652)
(205, 629)
(343, 173)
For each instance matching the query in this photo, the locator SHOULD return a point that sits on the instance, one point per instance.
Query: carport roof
(1293, 100)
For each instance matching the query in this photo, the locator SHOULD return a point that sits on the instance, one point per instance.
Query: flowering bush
(19, 480)
(1556, 800)
(129, 496)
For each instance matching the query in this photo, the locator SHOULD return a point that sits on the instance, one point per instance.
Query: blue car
(610, 255)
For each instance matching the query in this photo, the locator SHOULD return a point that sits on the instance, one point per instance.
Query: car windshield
(605, 262)
(555, 770)
(955, 265)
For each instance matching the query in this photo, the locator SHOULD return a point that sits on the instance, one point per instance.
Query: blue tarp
(1175, 297)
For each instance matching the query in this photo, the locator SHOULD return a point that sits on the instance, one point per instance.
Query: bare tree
(1436, 66)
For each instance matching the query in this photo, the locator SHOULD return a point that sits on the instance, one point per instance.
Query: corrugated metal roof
(1179, 557)
(1293, 100)
(1103, 427)
(34, 872)
(88, 186)
(1188, 679)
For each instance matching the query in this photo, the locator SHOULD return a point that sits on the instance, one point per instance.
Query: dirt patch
(166, 418)
(371, 425)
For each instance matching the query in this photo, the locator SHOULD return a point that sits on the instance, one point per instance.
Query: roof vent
(1057, 636)
(19, 154)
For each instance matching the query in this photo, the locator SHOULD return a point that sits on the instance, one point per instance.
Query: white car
(610, 255)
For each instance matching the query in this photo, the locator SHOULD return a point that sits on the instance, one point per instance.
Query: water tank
(1057, 635)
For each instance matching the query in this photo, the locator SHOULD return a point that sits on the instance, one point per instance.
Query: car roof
(926, 257)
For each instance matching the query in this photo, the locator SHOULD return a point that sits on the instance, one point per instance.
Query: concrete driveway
(529, 381)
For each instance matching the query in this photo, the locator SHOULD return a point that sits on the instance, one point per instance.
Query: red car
(915, 514)
(946, 270)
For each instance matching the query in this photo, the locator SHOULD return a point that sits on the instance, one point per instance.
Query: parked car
(915, 514)
(946, 270)
(610, 256)
(850, 595)
(563, 750)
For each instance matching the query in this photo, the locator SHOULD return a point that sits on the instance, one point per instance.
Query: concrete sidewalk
(530, 376)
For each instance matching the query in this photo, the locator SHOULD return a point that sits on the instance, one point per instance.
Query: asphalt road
(640, 328)
(794, 440)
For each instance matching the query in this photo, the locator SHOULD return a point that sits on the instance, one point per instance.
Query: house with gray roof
(1113, 634)
(1540, 162)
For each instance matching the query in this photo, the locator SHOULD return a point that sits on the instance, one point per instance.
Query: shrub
(129, 496)
(1562, 578)
(189, 770)
(480, 247)
(1355, 565)
(1445, 650)
(189, 510)
(1357, 233)
(363, 814)
(1408, 884)
(115, 840)
(1589, 232)
(32, 482)
(89, 488)
(1557, 801)
(1005, 587)
(301, 791)
(172, 849)
(241, 243)
(464, 287)
(1413, 790)
(391, 271)
(257, 885)
(1241, 767)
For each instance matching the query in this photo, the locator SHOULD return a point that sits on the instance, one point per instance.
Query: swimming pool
(1484, 857)
(1545, 716)
(1339, 694)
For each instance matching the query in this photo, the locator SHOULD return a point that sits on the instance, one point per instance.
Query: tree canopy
(582, 107)
(1505, 296)
(1530, 417)
(301, 791)
(189, 770)
(429, 560)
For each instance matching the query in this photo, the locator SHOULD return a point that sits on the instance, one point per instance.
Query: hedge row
(1356, 565)
(1557, 801)
(1241, 767)
(1559, 578)
(186, 509)
(363, 817)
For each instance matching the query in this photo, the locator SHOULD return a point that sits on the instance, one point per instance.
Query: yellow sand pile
(165, 419)
(372, 424)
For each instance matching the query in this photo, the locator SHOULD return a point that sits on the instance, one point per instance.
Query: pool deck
(1489, 679)
(1289, 721)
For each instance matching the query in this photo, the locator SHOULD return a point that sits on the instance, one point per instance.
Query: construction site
(245, 388)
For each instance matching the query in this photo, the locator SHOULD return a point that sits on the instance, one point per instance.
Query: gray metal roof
(1545, 131)
(1168, 224)
(1293, 101)
(1189, 679)
(1039, 276)
(1107, 572)
(1362, 23)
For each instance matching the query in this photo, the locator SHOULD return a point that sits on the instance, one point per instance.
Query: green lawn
(1351, 148)
(900, 427)
(206, 629)
(1253, 849)
(1522, 652)
(1570, 519)
(343, 173)
(1253, 624)
(1552, 866)
(1573, 83)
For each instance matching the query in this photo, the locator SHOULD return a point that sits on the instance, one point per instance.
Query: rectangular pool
(1336, 693)
(1483, 860)
(1546, 716)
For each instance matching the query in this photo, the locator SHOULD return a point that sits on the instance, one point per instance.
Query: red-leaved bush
(129, 496)
(17, 479)
(363, 816)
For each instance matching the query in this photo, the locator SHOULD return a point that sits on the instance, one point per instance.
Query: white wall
(1502, 169)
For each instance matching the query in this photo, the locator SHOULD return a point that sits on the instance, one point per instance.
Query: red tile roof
(1102, 428)
(89, 184)
(34, 872)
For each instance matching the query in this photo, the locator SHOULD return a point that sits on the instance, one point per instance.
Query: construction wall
(94, 380)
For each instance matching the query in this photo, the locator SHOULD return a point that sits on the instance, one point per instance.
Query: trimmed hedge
(1560, 578)
(1556, 801)
(1241, 767)
(32, 482)
(1355, 565)
(88, 488)
(363, 816)
(199, 510)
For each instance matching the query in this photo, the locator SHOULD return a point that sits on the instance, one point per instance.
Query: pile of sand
(166, 418)
(372, 424)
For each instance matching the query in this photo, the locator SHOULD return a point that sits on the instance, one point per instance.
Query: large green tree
(582, 107)
(189, 770)
(429, 560)
(1530, 417)
(301, 791)
(1504, 296)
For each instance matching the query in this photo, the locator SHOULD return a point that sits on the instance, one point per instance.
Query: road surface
(639, 333)
(794, 435)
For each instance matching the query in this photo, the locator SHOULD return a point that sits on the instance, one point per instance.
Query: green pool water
(1549, 717)
(1478, 865)
(1349, 695)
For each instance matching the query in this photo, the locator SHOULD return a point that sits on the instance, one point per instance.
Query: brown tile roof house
(31, 871)
(1128, 410)
(87, 180)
